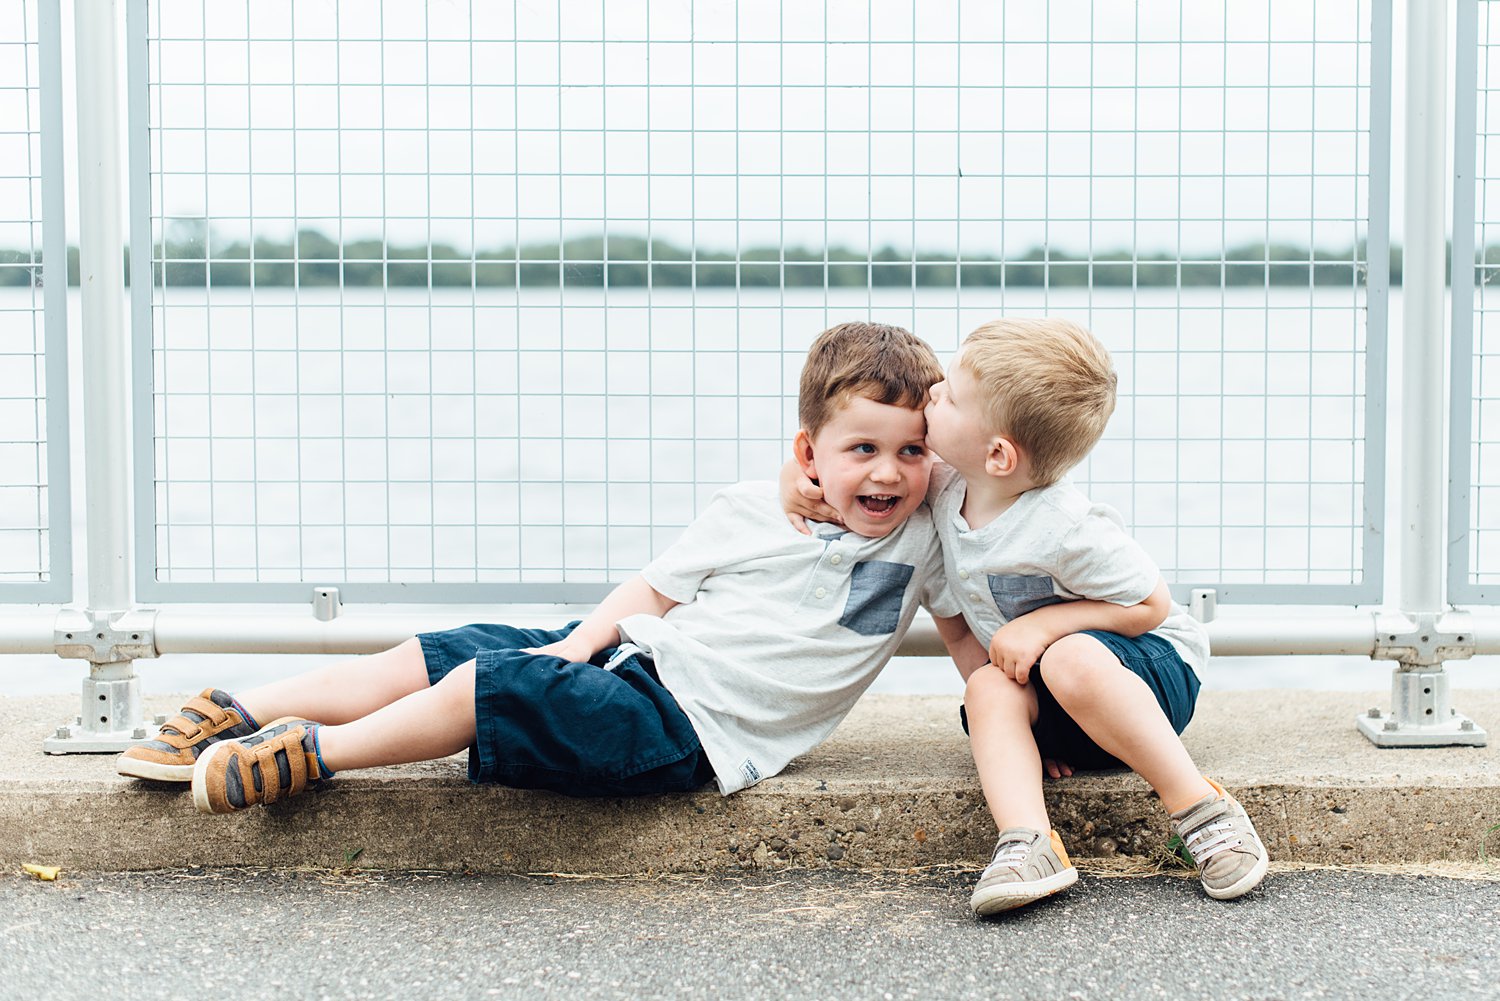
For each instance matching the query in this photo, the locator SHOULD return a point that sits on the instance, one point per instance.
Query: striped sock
(243, 714)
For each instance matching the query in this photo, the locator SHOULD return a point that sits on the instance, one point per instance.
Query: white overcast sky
(837, 54)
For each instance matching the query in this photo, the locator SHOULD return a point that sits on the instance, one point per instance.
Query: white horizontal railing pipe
(22, 633)
(369, 629)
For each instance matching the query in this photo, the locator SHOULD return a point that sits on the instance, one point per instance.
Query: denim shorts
(543, 723)
(1150, 658)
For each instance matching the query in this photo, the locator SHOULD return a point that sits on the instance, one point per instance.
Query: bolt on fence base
(1421, 715)
(111, 718)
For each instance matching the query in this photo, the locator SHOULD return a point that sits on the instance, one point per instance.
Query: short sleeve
(1097, 559)
(939, 598)
(936, 596)
(679, 572)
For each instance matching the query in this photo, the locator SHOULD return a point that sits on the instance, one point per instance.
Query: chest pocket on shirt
(875, 591)
(1016, 594)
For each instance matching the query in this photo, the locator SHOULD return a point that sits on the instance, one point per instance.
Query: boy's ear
(802, 451)
(1003, 458)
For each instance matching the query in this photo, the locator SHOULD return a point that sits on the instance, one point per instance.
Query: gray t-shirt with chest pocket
(778, 634)
(1052, 544)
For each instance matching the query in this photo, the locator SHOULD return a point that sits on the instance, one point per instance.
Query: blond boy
(1091, 662)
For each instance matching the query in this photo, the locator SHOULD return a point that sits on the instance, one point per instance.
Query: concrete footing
(893, 788)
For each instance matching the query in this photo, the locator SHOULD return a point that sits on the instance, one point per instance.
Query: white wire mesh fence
(34, 561)
(1474, 555)
(498, 294)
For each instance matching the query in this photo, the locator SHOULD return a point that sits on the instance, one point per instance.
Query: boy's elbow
(1154, 610)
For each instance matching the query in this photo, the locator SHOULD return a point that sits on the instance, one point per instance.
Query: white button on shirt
(963, 575)
(835, 559)
(821, 592)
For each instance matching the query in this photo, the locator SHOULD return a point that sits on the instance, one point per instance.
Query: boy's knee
(989, 690)
(1074, 666)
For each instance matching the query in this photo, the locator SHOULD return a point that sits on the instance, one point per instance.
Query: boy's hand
(801, 499)
(1017, 646)
(1055, 769)
(567, 648)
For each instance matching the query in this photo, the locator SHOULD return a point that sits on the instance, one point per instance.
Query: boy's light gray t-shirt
(1053, 544)
(778, 634)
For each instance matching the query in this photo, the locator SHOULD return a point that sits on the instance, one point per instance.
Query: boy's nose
(885, 471)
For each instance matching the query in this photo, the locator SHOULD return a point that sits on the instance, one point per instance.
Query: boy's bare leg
(432, 723)
(1117, 710)
(1001, 714)
(341, 692)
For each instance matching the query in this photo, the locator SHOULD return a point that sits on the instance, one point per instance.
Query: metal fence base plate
(76, 740)
(1458, 731)
(110, 717)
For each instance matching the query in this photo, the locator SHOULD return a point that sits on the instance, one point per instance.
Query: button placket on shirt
(834, 559)
(975, 597)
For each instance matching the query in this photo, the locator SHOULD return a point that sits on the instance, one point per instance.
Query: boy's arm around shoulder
(598, 631)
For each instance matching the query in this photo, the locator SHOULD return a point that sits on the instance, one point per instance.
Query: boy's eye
(865, 448)
(914, 450)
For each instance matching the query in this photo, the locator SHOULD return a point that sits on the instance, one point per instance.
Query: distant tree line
(313, 259)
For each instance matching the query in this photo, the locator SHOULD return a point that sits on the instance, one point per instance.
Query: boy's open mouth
(878, 505)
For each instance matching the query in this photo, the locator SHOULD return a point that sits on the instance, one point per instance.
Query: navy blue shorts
(543, 723)
(1150, 658)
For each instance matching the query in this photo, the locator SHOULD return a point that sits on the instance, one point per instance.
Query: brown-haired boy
(739, 648)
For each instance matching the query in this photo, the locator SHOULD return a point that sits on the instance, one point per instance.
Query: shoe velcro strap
(188, 730)
(210, 711)
(270, 774)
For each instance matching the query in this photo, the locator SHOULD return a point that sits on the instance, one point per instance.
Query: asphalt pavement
(771, 934)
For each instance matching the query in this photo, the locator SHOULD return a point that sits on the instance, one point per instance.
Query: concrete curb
(893, 788)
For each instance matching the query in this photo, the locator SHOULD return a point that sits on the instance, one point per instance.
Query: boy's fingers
(799, 523)
(1022, 673)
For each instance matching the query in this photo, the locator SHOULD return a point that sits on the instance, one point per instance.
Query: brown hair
(1048, 385)
(879, 362)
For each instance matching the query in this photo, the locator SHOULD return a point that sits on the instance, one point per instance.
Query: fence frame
(58, 587)
(1461, 589)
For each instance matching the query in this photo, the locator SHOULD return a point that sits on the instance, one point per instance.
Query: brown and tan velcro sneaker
(1028, 865)
(273, 763)
(169, 756)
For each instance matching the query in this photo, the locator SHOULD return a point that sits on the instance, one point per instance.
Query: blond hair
(1047, 385)
(878, 362)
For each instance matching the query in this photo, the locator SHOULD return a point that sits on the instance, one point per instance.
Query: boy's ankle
(1187, 798)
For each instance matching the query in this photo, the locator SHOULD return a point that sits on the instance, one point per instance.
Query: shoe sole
(1244, 884)
(200, 775)
(1009, 896)
(158, 771)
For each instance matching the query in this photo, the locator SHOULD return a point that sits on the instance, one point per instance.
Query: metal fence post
(1424, 634)
(107, 633)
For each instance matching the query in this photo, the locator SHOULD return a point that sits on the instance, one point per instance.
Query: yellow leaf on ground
(47, 872)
